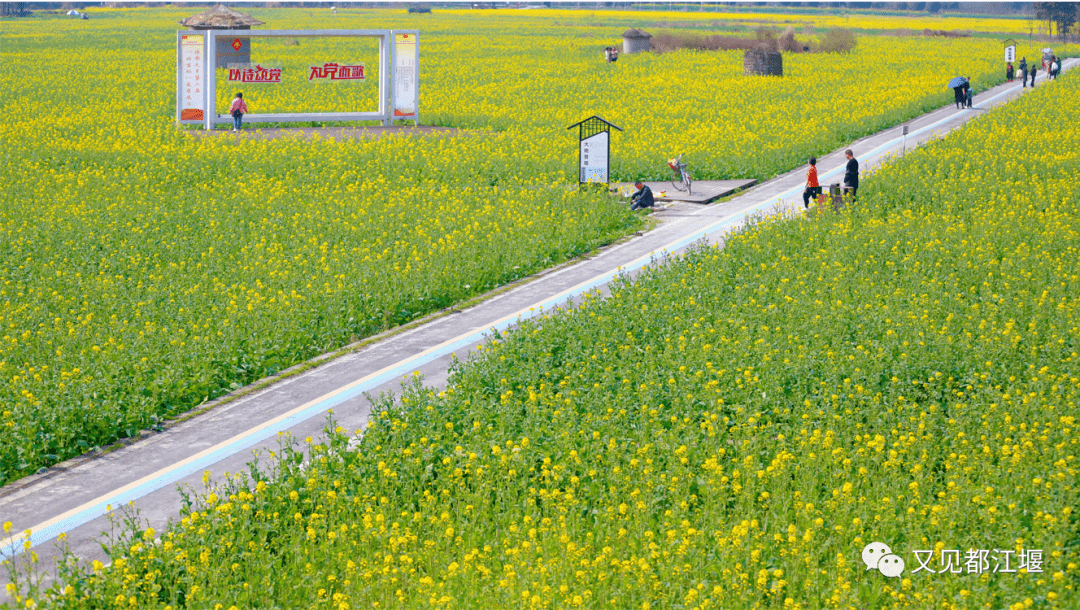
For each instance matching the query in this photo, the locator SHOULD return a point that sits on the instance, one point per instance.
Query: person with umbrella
(958, 85)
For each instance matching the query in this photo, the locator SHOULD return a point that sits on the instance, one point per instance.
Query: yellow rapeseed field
(145, 270)
(728, 430)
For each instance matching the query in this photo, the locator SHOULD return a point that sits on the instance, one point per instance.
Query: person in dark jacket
(1023, 70)
(969, 97)
(643, 198)
(1009, 72)
(851, 174)
(1033, 72)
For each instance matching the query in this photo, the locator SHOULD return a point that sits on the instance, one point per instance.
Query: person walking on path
(1033, 72)
(958, 96)
(969, 97)
(851, 174)
(643, 198)
(238, 109)
(1023, 70)
(813, 189)
(1009, 72)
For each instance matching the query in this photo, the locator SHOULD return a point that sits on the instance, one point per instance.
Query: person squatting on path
(851, 174)
(813, 189)
(238, 109)
(642, 198)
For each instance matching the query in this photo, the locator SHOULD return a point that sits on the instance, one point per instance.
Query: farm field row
(145, 271)
(728, 430)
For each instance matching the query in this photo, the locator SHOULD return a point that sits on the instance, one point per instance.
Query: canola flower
(146, 270)
(727, 430)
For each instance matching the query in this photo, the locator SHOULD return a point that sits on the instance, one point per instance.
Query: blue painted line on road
(95, 509)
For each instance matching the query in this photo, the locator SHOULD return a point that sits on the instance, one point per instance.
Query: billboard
(274, 62)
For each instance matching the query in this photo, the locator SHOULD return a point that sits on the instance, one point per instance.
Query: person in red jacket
(813, 189)
(238, 109)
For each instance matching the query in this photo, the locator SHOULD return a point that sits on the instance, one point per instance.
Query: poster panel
(191, 98)
(593, 156)
(406, 92)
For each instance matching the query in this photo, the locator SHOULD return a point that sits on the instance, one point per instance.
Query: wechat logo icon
(878, 556)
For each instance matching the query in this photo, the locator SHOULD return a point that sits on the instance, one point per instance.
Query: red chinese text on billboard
(258, 74)
(333, 71)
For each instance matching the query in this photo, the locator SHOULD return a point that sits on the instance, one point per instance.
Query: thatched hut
(220, 17)
(635, 41)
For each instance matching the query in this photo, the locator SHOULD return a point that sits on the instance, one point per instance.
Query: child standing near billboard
(238, 109)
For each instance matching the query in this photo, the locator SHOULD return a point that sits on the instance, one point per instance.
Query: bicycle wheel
(678, 185)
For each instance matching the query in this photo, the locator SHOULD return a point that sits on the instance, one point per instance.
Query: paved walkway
(72, 498)
(701, 191)
(338, 133)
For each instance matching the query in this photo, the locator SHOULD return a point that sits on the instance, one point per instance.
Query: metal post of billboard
(384, 77)
(594, 160)
(210, 110)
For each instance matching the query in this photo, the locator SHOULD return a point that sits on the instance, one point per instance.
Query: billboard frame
(212, 118)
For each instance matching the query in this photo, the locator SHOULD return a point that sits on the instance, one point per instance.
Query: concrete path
(701, 191)
(254, 131)
(72, 497)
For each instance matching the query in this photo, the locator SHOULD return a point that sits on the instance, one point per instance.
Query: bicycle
(682, 180)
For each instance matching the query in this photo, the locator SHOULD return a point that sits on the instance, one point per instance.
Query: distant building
(762, 62)
(635, 41)
(220, 17)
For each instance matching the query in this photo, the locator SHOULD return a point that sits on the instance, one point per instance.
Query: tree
(14, 9)
(1064, 14)
(933, 7)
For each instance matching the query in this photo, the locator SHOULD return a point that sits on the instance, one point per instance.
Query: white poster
(192, 71)
(594, 158)
(1010, 53)
(406, 78)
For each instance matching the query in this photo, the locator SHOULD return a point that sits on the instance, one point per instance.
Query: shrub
(837, 40)
(789, 43)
